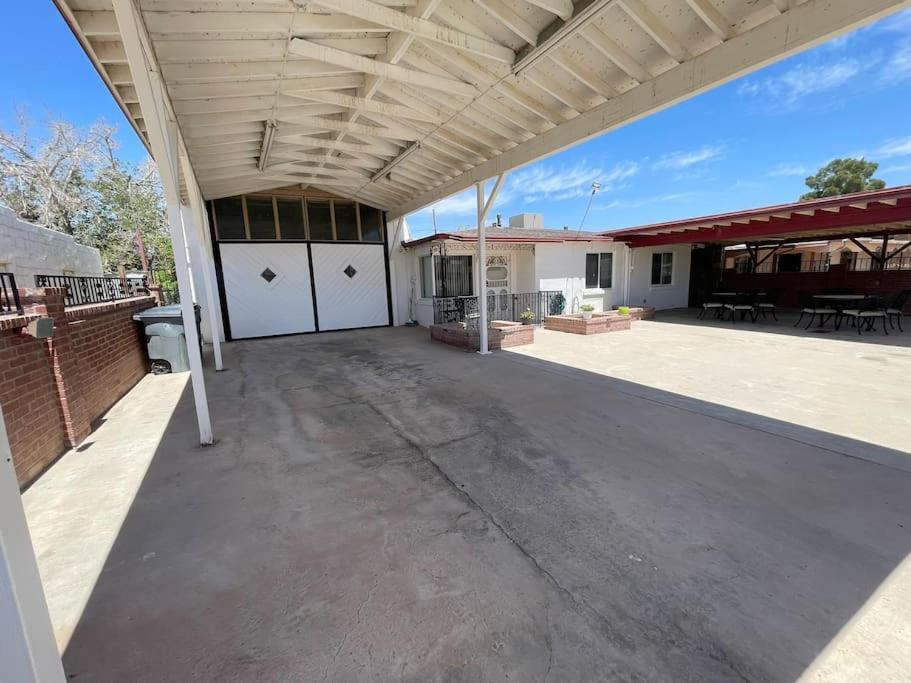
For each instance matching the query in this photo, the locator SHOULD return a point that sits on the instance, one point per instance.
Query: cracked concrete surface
(378, 507)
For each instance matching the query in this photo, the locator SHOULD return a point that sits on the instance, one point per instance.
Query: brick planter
(637, 313)
(574, 323)
(501, 334)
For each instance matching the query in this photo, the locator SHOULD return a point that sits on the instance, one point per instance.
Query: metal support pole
(483, 209)
(196, 255)
(28, 650)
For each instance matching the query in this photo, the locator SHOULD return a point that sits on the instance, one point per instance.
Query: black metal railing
(866, 264)
(530, 307)
(9, 295)
(82, 289)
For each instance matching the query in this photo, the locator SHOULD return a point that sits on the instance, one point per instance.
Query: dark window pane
(789, 263)
(291, 219)
(607, 268)
(656, 269)
(345, 221)
(591, 270)
(229, 219)
(453, 275)
(261, 218)
(371, 224)
(320, 218)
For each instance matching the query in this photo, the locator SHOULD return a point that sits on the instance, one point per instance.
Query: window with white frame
(599, 271)
(426, 277)
(662, 268)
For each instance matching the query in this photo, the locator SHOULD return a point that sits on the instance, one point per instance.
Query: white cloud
(568, 182)
(786, 170)
(898, 66)
(789, 88)
(899, 168)
(897, 147)
(685, 159)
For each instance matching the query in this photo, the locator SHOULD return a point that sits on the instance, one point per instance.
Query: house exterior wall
(52, 390)
(643, 293)
(561, 267)
(27, 249)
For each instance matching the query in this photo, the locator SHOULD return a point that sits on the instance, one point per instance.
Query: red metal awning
(864, 213)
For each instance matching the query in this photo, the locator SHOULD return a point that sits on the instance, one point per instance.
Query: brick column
(49, 301)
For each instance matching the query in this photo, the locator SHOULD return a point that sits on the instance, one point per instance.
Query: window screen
(591, 271)
(662, 268)
(229, 218)
(319, 216)
(607, 271)
(426, 277)
(453, 275)
(291, 219)
(345, 221)
(371, 224)
(261, 218)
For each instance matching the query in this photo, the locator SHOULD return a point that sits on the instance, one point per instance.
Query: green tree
(72, 180)
(127, 215)
(843, 176)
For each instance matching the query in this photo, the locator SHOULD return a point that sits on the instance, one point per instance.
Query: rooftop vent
(527, 220)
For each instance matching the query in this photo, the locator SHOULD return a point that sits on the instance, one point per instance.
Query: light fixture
(584, 12)
(395, 162)
(268, 138)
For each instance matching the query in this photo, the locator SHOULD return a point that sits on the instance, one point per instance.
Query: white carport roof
(399, 103)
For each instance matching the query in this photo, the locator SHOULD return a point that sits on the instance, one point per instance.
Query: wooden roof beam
(420, 28)
(421, 79)
(653, 26)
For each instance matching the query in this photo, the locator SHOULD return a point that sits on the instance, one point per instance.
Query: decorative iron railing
(772, 265)
(865, 264)
(82, 290)
(9, 295)
(535, 305)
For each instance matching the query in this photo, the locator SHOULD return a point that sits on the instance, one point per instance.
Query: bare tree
(46, 180)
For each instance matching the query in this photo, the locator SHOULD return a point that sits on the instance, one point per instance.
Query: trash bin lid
(162, 313)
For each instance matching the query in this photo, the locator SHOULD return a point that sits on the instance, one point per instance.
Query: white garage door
(350, 285)
(267, 289)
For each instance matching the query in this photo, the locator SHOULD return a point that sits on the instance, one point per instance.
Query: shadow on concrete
(380, 507)
(786, 325)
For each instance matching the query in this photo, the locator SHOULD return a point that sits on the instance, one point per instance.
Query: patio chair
(743, 304)
(768, 304)
(895, 307)
(808, 306)
(707, 306)
(866, 314)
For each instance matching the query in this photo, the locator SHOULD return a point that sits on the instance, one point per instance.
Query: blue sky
(748, 143)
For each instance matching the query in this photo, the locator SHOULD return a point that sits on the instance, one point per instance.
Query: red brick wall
(52, 390)
(597, 324)
(871, 282)
(28, 395)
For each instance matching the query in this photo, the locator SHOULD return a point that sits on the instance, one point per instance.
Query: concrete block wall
(51, 390)
(27, 249)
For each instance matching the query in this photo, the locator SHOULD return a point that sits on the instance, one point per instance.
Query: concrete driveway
(378, 507)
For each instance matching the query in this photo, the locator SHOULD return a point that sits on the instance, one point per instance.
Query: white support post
(163, 139)
(483, 209)
(196, 255)
(28, 650)
(188, 313)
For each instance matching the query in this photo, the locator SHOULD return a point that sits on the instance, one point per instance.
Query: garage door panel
(350, 284)
(267, 289)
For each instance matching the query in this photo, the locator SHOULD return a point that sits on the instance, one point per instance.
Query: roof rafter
(306, 48)
(652, 25)
(422, 28)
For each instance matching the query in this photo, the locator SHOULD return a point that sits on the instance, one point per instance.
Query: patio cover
(877, 213)
(399, 103)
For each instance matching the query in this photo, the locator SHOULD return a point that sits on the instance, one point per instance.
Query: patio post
(164, 141)
(483, 209)
(28, 649)
(191, 228)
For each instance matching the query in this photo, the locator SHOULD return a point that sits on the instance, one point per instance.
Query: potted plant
(557, 304)
(526, 317)
(586, 311)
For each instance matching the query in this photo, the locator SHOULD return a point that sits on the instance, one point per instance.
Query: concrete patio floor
(379, 507)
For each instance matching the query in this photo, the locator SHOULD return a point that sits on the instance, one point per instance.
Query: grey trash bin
(165, 338)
